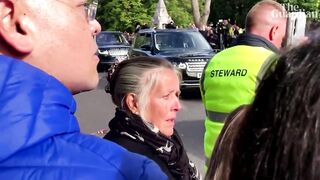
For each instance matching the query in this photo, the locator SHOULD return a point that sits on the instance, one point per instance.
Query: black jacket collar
(254, 40)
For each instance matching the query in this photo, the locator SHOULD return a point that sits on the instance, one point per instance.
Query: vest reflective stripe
(216, 116)
(267, 67)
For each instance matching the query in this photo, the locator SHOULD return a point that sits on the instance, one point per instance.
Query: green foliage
(121, 14)
(235, 10)
(125, 14)
(311, 7)
(180, 11)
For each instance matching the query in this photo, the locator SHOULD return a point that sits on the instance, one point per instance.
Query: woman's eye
(166, 96)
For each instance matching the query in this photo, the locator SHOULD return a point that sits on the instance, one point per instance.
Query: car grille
(194, 69)
(195, 66)
(118, 51)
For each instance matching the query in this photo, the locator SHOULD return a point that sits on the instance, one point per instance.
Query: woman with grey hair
(146, 92)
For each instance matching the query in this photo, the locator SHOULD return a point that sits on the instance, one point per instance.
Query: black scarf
(170, 150)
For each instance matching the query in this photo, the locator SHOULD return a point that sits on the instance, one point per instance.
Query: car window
(142, 40)
(110, 39)
(180, 40)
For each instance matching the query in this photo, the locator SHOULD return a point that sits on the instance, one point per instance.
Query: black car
(187, 49)
(113, 47)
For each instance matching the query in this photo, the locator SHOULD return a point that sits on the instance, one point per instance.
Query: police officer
(231, 76)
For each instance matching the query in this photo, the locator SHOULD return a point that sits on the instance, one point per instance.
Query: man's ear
(132, 103)
(273, 33)
(14, 27)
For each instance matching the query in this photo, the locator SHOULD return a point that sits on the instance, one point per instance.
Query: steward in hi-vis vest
(230, 79)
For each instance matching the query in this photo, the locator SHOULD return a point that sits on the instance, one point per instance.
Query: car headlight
(105, 52)
(182, 66)
(174, 64)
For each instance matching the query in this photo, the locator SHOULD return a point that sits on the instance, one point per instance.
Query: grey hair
(252, 12)
(137, 75)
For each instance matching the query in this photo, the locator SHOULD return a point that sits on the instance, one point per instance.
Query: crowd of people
(262, 110)
(221, 34)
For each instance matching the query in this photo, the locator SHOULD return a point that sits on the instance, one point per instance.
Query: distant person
(231, 76)
(137, 27)
(192, 26)
(171, 25)
(44, 60)
(278, 136)
(128, 36)
(229, 32)
(312, 28)
(146, 92)
(145, 26)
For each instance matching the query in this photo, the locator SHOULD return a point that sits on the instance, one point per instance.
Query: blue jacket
(40, 136)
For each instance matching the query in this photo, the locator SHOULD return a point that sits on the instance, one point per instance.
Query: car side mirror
(213, 45)
(146, 47)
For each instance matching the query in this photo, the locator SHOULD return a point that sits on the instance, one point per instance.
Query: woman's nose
(176, 104)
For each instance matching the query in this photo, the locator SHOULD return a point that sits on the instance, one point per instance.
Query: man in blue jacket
(47, 54)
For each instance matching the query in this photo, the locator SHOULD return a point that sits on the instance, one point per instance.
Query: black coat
(131, 132)
(139, 148)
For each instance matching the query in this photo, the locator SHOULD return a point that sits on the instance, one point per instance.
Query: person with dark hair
(230, 78)
(171, 25)
(312, 28)
(146, 92)
(278, 136)
(48, 54)
(145, 26)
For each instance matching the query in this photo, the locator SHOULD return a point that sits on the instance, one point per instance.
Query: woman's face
(164, 102)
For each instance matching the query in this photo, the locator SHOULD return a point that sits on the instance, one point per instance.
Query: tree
(125, 14)
(122, 14)
(310, 7)
(235, 10)
(180, 11)
(200, 19)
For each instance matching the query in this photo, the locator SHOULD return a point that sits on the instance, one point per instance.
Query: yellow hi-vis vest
(229, 80)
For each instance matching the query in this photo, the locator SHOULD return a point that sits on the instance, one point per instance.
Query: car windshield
(110, 39)
(181, 41)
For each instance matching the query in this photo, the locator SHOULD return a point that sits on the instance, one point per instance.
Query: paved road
(95, 109)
